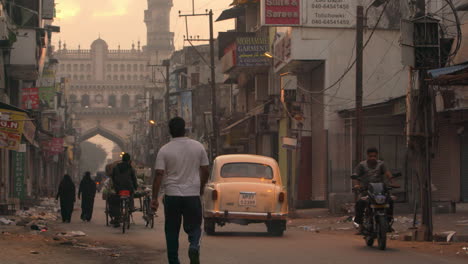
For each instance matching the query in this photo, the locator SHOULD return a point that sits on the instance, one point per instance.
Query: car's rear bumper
(245, 215)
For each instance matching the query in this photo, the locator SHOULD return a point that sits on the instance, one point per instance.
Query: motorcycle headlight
(380, 199)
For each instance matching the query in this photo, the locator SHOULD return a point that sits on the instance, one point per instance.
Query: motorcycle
(376, 222)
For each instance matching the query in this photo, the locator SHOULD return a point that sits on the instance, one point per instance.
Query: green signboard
(19, 171)
(47, 97)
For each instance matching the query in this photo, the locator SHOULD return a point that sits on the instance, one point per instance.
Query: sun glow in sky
(120, 22)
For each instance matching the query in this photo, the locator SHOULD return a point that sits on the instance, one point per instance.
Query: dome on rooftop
(99, 42)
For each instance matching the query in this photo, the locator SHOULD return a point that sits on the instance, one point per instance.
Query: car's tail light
(281, 197)
(214, 195)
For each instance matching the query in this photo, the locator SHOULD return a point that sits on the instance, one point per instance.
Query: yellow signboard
(11, 128)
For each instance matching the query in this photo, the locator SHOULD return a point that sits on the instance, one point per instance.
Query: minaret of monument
(160, 41)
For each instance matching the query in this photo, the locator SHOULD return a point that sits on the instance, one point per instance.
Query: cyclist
(124, 179)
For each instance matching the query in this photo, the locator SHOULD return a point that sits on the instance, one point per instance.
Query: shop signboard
(19, 170)
(30, 98)
(342, 13)
(251, 50)
(11, 128)
(281, 12)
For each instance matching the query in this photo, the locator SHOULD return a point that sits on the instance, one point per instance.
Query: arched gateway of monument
(105, 89)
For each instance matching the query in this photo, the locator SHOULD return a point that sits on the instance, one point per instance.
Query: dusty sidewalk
(320, 221)
(37, 236)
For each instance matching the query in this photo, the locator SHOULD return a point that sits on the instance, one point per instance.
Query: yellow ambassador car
(245, 189)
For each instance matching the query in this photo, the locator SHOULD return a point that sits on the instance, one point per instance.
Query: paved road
(248, 244)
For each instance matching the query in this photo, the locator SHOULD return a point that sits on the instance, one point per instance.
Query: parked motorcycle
(376, 222)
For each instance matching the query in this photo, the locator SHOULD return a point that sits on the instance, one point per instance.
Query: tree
(92, 157)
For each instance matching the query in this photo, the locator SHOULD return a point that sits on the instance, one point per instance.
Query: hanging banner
(47, 97)
(30, 98)
(11, 128)
(47, 88)
(18, 171)
(186, 108)
(29, 131)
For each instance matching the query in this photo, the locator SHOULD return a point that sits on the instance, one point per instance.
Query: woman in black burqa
(66, 193)
(87, 192)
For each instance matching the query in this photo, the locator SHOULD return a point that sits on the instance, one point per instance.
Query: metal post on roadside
(359, 73)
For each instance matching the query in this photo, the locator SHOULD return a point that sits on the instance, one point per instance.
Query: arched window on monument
(88, 67)
(116, 78)
(122, 77)
(116, 67)
(85, 100)
(138, 99)
(68, 67)
(125, 101)
(135, 67)
(72, 99)
(112, 102)
(122, 67)
(129, 67)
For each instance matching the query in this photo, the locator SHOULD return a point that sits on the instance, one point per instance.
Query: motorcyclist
(368, 171)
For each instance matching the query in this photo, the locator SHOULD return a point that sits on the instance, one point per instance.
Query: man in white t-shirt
(182, 168)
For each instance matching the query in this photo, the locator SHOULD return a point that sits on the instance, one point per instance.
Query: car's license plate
(247, 199)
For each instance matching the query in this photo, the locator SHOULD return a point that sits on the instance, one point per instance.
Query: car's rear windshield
(246, 170)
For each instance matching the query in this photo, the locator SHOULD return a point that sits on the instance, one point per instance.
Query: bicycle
(125, 213)
(148, 213)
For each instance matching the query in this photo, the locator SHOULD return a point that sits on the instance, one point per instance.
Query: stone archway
(99, 130)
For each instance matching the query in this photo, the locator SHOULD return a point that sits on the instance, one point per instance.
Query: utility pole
(359, 72)
(214, 141)
(166, 64)
(420, 130)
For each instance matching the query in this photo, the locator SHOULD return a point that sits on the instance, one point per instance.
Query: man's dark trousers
(190, 209)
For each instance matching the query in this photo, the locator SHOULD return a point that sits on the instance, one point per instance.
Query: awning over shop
(11, 107)
(243, 2)
(231, 13)
(453, 75)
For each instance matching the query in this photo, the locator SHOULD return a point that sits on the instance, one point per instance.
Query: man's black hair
(177, 127)
(372, 150)
(126, 157)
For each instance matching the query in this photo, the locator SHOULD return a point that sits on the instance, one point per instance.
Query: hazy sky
(121, 21)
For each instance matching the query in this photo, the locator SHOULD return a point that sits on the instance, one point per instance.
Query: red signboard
(53, 146)
(281, 12)
(30, 98)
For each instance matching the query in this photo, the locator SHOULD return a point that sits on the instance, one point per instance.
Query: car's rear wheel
(209, 226)
(276, 228)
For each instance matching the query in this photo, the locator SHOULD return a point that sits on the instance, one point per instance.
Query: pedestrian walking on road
(183, 164)
(66, 193)
(87, 192)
